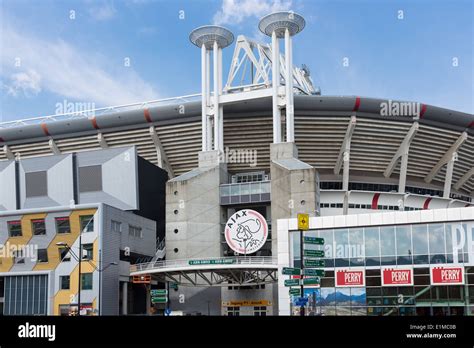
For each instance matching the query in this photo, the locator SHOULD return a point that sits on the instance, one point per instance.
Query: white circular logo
(246, 231)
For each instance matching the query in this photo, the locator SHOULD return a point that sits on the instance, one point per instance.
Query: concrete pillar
(148, 299)
(275, 86)
(403, 173)
(449, 178)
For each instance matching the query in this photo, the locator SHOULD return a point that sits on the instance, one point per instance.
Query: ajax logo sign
(246, 231)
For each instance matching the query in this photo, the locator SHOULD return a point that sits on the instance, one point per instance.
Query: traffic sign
(295, 291)
(158, 292)
(292, 282)
(313, 253)
(291, 271)
(301, 301)
(313, 240)
(314, 272)
(313, 263)
(167, 312)
(311, 281)
(159, 299)
(303, 222)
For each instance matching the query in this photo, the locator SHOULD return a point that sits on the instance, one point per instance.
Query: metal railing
(183, 263)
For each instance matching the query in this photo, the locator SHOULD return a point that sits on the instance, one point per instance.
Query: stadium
(278, 147)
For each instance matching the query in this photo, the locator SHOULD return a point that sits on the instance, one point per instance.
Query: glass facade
(26, 295)
(420, 247)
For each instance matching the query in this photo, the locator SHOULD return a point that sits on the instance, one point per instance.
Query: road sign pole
(302, 271)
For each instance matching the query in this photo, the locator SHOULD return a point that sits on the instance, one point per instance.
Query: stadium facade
(277, 147)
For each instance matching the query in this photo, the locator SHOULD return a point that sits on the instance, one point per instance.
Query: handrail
(235, 260)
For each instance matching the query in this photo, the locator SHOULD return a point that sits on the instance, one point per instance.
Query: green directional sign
(292, 282)
(212, 262)
(159, 299)
(295, 292)
(313, 253)
(314, 272)
(313, 263)
(311, 281)
(291, 271)
(313, 240)
(159, 292)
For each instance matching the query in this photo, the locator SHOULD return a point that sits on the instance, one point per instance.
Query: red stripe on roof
(147, 115)
(427, 203)
(471, 125)
(45, 129)
(1, 139)
(375, 201)
(423, 110)
(94, 122)
(356, 105)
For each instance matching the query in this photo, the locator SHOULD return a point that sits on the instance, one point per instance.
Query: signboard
(447, 275)
(314, 272)
(400, 276)
(247, 303)
(350, 277)
(159, 299)
(311, 281)
(158, 292)
(303, 222)
(141, 279)
(292, 282)
(313, 240)
(291, 271)
(313, 253)
(295, 291)
(313, 263)
(211, 262)
(246, 231)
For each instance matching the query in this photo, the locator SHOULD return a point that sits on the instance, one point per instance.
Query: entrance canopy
(225, 271)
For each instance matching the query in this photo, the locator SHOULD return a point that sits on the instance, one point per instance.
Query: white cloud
(58, 67)
(236, 11)
(103, 12)
(26, 83)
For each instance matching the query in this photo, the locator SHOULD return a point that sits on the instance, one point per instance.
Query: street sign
(292, 282)
(291, 271)
(313, 253)
(159, 299)
(301, 301)
(314, 272)
(295, 291)
(313, 263)
(313, 240)
(311, 281)
(159, 292)
(303, 222)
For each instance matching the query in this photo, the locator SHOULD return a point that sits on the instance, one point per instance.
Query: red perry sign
(397, 276)
(446, 275)
(346, 277)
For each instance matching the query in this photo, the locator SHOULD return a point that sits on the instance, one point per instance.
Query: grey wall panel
(59, 181)
(7, 185)
(118, 175)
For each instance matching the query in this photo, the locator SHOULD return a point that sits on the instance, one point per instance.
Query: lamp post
(98, 269)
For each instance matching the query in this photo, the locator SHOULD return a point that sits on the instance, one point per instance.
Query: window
(18, 256)
(36, 184)
(64, 255)
(42, 255)
(233, 311)
(39, 227)
(64, 282)
(86, 281)
(135, 231)
(116, 226)
(260, 311)
(63, 225)
(90, 179)
(87, 223)
(14, 228)
(87, 251)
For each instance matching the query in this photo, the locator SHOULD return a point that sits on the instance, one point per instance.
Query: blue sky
(47, 57)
